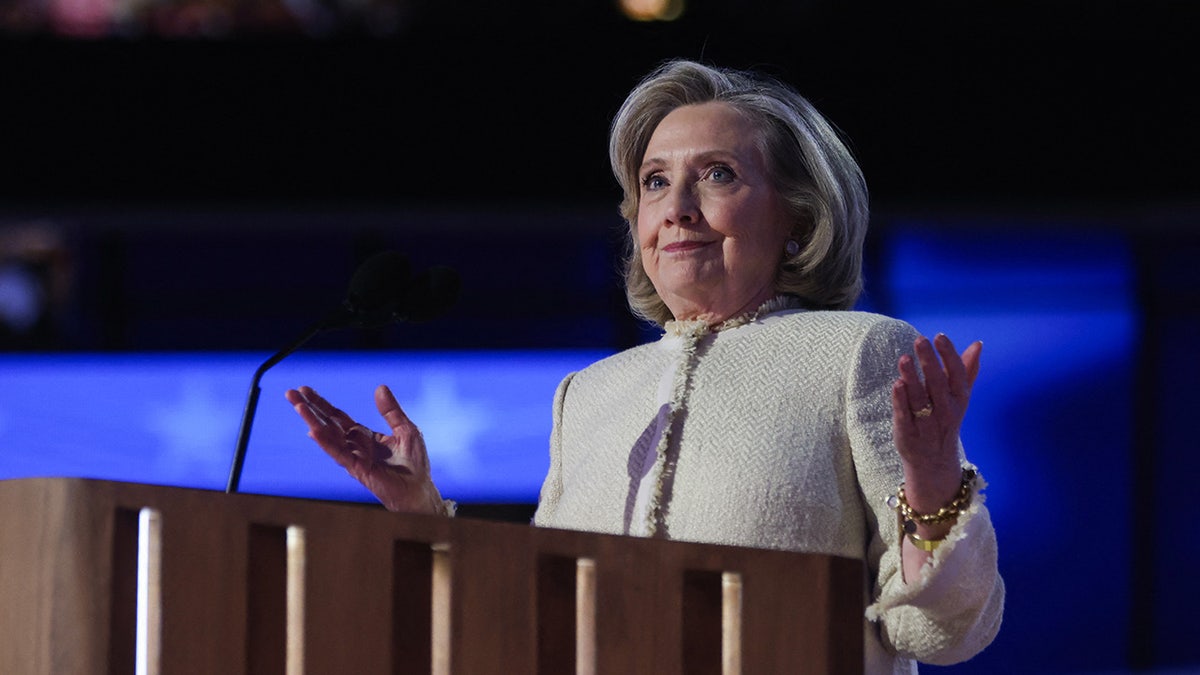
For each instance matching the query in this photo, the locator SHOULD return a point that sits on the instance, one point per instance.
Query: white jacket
(780, 437)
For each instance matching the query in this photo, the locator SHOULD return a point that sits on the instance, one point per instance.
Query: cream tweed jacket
(778, 435)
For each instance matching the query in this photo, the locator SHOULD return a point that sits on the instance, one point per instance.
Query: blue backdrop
(1054, 426)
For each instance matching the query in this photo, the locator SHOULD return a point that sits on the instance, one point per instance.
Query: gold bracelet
(949, 512)
(907, 519)
(927, 545)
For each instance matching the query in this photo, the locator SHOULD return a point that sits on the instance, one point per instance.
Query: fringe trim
(664, 465)
(691, 332)
(958, 533)
(700, 329)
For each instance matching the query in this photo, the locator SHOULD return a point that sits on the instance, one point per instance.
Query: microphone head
(383, 291)
(432, 293)
(378, 289)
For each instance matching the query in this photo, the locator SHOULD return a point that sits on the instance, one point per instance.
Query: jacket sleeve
(954, 609)
(552, 484)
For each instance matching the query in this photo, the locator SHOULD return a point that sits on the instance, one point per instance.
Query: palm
(395, 467)
(928, 413)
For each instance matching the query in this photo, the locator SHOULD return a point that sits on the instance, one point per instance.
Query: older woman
(768, 415)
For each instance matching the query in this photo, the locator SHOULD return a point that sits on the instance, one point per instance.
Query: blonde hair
(813, 170)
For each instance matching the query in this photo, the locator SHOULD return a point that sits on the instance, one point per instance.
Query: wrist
(927, 528)
(418, 499)
(934, 532)
(930, 488)
(440, 506)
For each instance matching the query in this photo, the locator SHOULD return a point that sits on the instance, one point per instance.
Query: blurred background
(187, 185)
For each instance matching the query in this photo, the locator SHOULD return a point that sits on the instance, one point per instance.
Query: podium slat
(258, 584)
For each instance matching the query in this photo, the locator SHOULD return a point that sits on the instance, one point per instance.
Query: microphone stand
(378, 295)
(243, 440)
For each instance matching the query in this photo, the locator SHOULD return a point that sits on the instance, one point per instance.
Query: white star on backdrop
(450, 424)
(190, 428)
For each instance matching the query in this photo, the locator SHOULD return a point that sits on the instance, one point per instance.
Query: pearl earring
(792, 247)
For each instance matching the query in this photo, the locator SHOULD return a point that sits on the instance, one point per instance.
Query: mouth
(686, 246)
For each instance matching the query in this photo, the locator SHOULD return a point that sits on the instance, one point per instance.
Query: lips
(686, 246)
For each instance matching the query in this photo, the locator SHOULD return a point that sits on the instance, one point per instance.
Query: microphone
(381, 292)
(434, 291)
(378, 289)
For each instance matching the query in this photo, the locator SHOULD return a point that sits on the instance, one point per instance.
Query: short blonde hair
(813, 170)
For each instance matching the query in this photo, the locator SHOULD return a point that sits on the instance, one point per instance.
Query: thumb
(970, 359)
(390, 409)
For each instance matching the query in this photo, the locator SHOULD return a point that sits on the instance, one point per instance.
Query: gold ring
(924, 412)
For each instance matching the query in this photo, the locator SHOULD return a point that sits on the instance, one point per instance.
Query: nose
(683, 208)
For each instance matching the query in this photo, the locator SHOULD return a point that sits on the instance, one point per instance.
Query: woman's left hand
(927, 417)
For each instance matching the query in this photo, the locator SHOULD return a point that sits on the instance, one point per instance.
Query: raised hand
(927, 416)
(395, 468)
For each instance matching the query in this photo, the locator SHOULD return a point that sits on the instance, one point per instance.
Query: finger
(347, 445)
(317, 423)
(314, 421)
(914, 389)
(360, 438)
(313, 403)
(936, 384)
(306, 410)
(409, 450)
(902, 417)
(334, 415)
(330, 439)
(391, 411)
(970, 359)
(956, 372)
(365, 444)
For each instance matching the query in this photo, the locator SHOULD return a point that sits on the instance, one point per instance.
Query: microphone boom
(381, 292)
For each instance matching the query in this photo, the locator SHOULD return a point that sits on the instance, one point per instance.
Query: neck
(715, 316)
(697, 328)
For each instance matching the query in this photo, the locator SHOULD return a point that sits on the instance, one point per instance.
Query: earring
(792, 247)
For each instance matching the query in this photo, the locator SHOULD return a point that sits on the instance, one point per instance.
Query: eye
(654, 181)
(720, 174)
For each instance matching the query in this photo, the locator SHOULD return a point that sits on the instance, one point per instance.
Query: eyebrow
(703, 157)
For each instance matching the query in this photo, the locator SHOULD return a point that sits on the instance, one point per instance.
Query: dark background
(215, 193)
(479, 102)
(266, 163)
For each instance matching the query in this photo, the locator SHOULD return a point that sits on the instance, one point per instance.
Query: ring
(356, 427)
(924, 412)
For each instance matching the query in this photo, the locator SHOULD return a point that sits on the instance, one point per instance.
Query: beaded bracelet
(908, 518)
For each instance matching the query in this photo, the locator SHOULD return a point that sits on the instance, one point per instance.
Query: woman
(768, 415)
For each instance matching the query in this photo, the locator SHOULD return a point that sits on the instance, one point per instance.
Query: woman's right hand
(395, 468)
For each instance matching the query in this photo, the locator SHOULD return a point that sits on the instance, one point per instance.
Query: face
(710, 225)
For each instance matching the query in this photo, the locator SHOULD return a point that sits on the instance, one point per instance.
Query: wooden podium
(106, 577)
